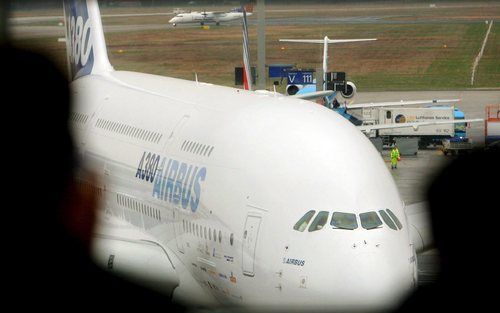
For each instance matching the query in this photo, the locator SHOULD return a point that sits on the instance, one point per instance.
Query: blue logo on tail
(79, 38)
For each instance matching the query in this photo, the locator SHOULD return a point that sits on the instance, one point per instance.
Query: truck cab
(460, 129)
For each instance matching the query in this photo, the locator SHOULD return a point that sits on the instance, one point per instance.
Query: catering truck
(430, 134)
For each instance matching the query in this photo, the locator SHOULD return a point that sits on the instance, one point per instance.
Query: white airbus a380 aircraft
(216, 195)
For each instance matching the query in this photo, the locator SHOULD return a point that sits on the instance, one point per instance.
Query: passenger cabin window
(395, 218)
(387, 220)
(304, 221)
(370, 220)
(319, 221)
(344, 221)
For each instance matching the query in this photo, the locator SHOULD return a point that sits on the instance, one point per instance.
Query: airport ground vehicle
(429, 134)
(453, 146)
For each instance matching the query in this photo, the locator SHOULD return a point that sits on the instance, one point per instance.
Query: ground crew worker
(394, 157)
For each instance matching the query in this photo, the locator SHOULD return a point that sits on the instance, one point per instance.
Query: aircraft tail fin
(326, 41)
(85, 45)
(247, 74)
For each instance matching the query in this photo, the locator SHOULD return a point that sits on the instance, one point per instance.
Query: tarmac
(412, 177)
(414, 173)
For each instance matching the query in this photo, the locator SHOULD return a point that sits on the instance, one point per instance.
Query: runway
(25, 30)
(36, 26)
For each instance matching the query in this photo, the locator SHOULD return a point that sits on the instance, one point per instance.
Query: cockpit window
(319, 221)
(387, 220)
(370, 220)
(344, 220)
(304, 220)
(395, 218)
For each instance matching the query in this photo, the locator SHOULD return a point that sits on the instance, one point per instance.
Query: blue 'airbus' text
(173, 181)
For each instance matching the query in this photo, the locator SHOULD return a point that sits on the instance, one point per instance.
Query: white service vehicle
(441, 116)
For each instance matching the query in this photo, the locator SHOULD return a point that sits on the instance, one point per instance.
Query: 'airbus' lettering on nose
(294, 262)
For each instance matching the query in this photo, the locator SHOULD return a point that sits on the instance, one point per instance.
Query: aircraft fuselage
(220, 177)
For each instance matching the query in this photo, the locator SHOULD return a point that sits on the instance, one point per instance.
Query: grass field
(434, 52)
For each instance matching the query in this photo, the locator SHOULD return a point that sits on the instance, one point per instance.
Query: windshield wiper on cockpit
(342, 227)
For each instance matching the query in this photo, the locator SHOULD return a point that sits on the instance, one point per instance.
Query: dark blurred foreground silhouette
(49, 221)
(464, 200)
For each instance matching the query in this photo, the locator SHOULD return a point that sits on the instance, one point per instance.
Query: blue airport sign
(279, 70)
(300, 77)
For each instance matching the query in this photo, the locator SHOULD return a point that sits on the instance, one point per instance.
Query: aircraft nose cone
(377, 281)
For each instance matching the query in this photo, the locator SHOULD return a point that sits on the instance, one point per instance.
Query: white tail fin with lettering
(85, 45)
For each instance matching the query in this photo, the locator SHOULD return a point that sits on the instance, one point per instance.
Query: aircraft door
(179, 230)
(250, 237)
